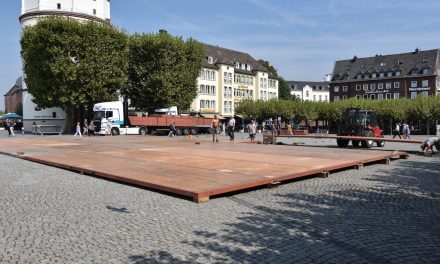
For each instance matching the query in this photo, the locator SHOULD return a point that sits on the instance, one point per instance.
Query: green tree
(284, 90)
(272, 70)
(71, 64)
(163, 71)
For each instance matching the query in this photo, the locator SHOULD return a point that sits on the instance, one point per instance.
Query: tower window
(59, 6)
(94, 11)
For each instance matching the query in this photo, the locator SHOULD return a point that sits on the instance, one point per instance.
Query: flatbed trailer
(353, 138)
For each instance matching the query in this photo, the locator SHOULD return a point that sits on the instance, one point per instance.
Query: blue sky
(301, 38)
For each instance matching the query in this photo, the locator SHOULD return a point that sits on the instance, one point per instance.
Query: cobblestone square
(378, 214)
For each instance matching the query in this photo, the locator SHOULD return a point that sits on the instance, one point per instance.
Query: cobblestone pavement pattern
(379, 214)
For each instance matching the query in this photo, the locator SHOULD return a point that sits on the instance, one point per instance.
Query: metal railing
(46, 129)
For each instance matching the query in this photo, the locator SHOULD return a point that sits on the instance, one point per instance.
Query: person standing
(85, 127)
(231, 128)
(7, 127)
(289, 129)
(91, 128)
(252, 129)
(78, 130)
(215, 124)
(396, 131)
(172, 132)
(407, 131)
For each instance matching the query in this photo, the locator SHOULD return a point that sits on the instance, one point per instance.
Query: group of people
(88, 129)
(402, 129)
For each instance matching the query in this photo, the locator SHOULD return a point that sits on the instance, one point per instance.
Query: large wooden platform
(196, 168)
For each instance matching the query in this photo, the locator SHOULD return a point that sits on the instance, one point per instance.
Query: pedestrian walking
(396, 131)
(231, 128)
(78, 130)
(215, 125)
(11, 127)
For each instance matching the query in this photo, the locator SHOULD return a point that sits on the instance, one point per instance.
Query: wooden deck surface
(195, 168)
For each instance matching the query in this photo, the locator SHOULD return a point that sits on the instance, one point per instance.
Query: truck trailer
(114, 117)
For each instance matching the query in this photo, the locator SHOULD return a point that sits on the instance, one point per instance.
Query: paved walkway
(379, 214)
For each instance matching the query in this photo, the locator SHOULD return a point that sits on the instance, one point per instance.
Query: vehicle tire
(380, 144)
(355, 143)
(342, 143)
(179, 131)
(143, 131)
(193, 131)
(115, 131)
(186, 131)
(367, 143)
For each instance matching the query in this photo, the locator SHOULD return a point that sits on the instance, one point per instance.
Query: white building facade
(31, 12)
(229, 76)
(310, 91)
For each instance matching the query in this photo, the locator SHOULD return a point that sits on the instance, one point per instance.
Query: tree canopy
(423, 108)
(68, 63)
(163, 71)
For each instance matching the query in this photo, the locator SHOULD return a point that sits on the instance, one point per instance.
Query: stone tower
(31, 12)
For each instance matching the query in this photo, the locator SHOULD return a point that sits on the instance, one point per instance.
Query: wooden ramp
(195, 168)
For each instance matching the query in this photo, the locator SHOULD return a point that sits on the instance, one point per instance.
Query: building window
(320, 98)
(425, 71)
(314, 97)
(373, 75)
(365, 96)
(425, 93)
(397, 73)
(396, 95)
(425, 83)
(210, 60)
(380, 86)
(336, 98)
(336, 89)
(225, 77)
(389, 74)
(326, 98)
(358, 97)
(373, 86)
(94, 11)
(396, 84)
(372, 96)
(388, 96)
(344, 88)
(380, 96)
(359, 76)
(344, 97)
(413, 84)
(413, 95)
(388, 86)
(383, 64)
(365, 87)
(414, 71)
(58, 6)
(307, 93)
(358, 87)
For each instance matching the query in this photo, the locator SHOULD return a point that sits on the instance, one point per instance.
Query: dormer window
(237, 65)
(424, 59)
(381, 74)
(414, 71)
(397, 73)
(210, 60)
(390, 74)
(59, 6)
(425, 70)
(243, 66)
(373, 75)
(383, 64)
(248, 67)
(359, 76)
